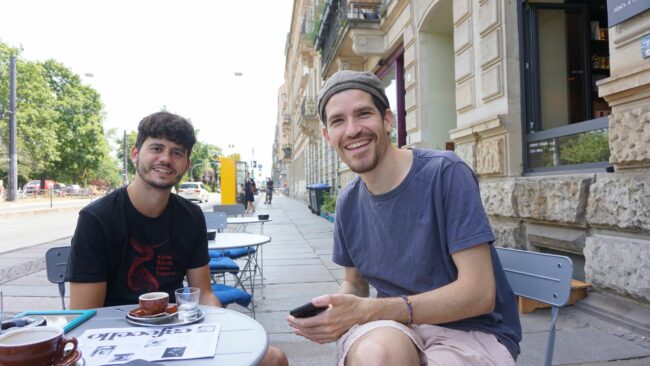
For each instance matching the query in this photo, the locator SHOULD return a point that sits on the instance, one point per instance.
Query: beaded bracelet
(408, 304)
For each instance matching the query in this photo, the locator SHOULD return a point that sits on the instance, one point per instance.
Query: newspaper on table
(114, 346)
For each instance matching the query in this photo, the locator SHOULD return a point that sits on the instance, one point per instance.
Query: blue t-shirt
(401, 241)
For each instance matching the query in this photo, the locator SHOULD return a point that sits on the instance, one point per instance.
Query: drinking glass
(187, 300)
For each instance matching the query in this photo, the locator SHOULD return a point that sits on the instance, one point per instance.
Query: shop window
(565, 52)
(391, 74)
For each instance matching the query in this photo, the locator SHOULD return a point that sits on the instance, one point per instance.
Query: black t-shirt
(135, 254)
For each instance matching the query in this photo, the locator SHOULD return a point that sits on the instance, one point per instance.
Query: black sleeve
(88, 261)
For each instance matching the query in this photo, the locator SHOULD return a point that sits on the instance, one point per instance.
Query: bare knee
(274, 357)
(383, 346)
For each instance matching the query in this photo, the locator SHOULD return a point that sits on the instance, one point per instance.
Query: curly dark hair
(167, 125)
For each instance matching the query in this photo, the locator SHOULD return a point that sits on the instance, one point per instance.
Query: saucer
(152, 319)
(165, 321)
(75, 361)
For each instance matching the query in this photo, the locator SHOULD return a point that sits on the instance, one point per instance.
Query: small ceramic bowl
(263, 217)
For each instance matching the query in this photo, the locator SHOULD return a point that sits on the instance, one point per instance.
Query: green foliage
(78, 120)
(59, 123)
(319, 8)
(329, 203)
(118, 142)
(592, 146)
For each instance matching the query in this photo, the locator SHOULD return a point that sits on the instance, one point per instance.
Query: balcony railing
(337, 15)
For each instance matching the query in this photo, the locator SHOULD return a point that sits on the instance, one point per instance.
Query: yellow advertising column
(228, 182)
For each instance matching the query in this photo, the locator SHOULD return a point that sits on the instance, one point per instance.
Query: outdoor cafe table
(242, 340)
(247, 220)
(252, 220)
(242, 240)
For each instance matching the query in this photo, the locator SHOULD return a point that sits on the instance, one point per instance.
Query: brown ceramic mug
(153, 302)
(36, 346)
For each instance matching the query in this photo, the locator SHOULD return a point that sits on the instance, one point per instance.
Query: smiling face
(356, 130)
(159, 162)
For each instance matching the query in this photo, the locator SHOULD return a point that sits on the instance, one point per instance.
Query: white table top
(237, 240)
(246, 220)
(242, 340)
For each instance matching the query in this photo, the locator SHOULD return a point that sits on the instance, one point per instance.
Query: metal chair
(230, 210)
(56, 263)
(542, 277)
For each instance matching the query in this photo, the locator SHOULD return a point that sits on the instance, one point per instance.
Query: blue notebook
(66, 319)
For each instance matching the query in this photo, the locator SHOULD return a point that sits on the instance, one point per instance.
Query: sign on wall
(621, 10)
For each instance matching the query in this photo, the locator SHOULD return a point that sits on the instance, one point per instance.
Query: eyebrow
(365, 108)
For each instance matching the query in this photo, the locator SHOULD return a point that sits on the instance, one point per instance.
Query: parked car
(32, 187)
(37, 186)
(193, 191)
(74, 190)
(59, 189)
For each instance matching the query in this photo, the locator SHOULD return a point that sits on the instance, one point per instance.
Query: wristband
(410, 307)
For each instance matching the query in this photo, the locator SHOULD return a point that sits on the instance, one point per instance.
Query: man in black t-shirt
(141, 238)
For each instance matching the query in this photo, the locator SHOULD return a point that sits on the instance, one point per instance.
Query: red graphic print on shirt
(139, 278)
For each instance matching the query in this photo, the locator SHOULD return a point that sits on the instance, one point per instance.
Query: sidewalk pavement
(298, 267)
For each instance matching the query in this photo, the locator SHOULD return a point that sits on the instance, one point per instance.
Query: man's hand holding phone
(307, 310)
(343, 312)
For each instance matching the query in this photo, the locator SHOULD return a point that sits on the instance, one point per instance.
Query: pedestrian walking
(269, 191)
(249, 190)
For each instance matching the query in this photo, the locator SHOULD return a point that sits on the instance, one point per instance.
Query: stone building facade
(482, 77)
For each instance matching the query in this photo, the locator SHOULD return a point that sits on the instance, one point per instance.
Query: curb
(40, 211)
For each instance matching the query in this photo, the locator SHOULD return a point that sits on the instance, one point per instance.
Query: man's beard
(142, 171)
(361, 167)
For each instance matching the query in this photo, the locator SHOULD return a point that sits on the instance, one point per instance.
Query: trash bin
(316, 192)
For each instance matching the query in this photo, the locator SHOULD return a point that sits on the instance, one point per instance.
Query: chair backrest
(542, 277)
(538, 276)
(56, 263)
(230, 210)
(216, 221)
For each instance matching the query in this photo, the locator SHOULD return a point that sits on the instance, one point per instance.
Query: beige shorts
(437, 345)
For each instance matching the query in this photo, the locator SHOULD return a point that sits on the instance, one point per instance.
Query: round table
(242, 340)
(246, 220)
(237, 240)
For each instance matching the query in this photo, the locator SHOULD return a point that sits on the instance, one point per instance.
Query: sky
(143, 55)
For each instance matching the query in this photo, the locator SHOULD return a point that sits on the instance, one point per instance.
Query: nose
(352, 129)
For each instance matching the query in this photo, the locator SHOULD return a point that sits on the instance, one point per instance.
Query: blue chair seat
(216, 253)
(238, 252)
(223, 264)
(227, 295)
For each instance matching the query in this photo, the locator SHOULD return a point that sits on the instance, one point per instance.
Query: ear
(389, 120)
(134, 155)
(326, 136)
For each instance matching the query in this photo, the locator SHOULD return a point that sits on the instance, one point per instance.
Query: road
(23, 231)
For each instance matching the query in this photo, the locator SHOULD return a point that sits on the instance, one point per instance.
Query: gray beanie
(347, 79)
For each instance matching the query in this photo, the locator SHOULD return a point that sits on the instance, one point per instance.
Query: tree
(37, 144)
(78, 120)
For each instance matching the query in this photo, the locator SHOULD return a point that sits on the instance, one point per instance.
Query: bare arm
(200, 277)
(354, 283)
(87, 295)
(473, 293)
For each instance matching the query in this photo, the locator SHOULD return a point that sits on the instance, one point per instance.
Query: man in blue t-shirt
(412, 225)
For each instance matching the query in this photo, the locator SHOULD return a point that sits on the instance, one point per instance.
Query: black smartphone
(307, 310)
